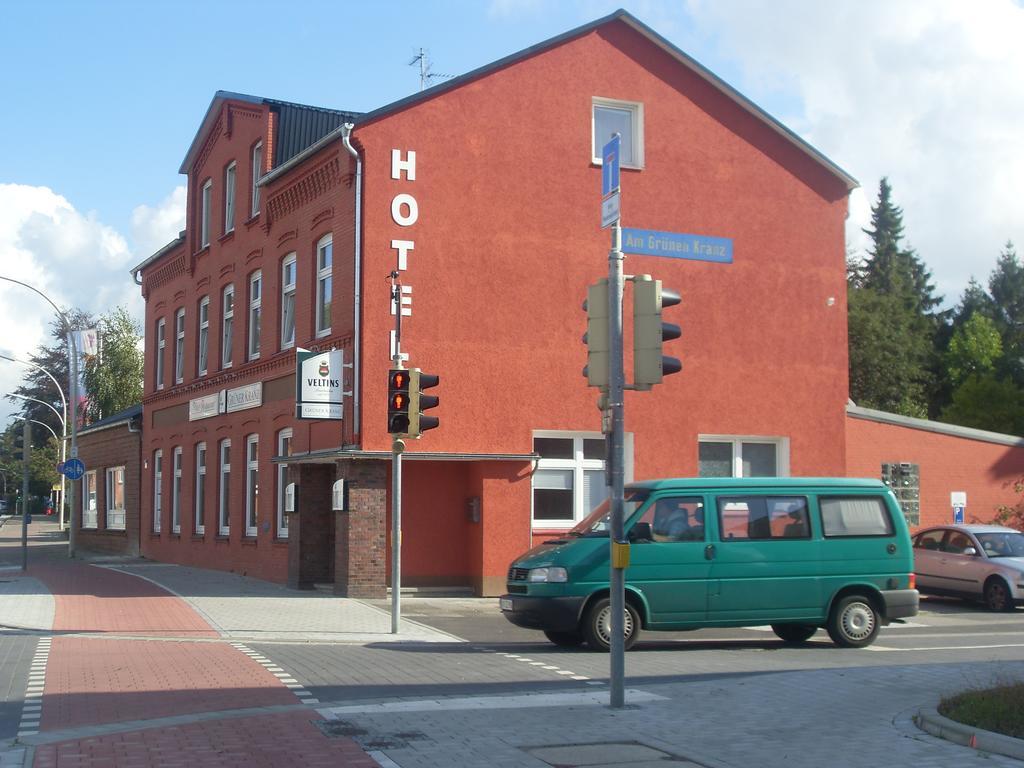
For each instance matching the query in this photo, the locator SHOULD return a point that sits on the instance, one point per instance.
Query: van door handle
(709, 552)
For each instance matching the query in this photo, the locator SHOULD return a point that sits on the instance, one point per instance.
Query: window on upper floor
(288, 301)
(161, 344)
(257, 169)
(324, 258)
(203, 339)
(610, 116)
(229, 197)
(227, 325)
(255, 312)
(204, 214)
(179, 346)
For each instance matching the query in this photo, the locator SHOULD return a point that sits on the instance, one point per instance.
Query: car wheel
(597, 625)
(794, 633)
(853, 622)
(564, 639)
(997, 595)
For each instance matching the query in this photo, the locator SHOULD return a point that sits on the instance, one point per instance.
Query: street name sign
(674, 245)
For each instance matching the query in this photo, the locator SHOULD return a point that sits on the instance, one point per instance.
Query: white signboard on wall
(249, 396)
(319, 379)
(206, 406)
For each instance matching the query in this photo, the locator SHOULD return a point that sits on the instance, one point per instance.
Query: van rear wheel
(794, 633)
(565, 639)
(853, 622)
(597, 625)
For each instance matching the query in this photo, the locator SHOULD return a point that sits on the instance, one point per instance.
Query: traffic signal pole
(397, 446)
(617, 542)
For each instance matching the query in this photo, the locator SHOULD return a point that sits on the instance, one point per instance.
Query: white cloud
(73, 258)
(926, 92)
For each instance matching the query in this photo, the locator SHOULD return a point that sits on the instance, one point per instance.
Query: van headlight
(553, 573)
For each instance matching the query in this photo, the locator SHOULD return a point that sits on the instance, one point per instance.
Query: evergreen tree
(113, 379)
(1006, 285)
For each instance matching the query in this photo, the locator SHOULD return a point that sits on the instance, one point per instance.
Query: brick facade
(101, 449)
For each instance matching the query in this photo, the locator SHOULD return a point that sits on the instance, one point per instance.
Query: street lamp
(63, 445)
(63, 419)
(73, 388)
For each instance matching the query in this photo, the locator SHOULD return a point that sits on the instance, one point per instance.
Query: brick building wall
(108, 449)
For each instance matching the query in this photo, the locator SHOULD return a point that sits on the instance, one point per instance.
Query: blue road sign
(73, 469)
(674, 245)
(610, 166)
(958, 515)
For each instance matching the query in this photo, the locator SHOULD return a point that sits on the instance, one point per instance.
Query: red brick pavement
(101, 680)
(264, 741)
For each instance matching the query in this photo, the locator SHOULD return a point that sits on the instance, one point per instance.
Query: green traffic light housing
(650, 365)
(419, 402)
(596, 338)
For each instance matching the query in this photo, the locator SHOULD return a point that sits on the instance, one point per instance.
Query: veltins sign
(318, 384)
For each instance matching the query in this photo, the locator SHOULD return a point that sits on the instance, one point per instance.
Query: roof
(953, 430)
(114, 419)
(298, 126)
(620, 15)
(972, 528)
(158, 255)
(740, 483)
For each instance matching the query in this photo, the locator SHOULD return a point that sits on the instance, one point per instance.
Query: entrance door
(670, 568)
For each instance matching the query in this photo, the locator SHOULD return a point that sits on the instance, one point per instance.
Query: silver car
(977, 562)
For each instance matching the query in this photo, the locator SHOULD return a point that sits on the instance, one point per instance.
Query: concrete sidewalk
(135, 679)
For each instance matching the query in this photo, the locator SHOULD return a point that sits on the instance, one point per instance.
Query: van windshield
(599, 522)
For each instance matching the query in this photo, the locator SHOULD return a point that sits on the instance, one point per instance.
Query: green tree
(113, 379)
(987, 402)
(974, 349)
(1006, 285)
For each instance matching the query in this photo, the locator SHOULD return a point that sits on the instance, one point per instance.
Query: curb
(929, 720)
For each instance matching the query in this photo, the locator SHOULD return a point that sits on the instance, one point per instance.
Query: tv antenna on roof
(425, 74)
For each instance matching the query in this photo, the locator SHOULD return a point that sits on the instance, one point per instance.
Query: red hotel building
(484, 194)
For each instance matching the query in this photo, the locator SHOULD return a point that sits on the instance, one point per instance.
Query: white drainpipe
(356, 337)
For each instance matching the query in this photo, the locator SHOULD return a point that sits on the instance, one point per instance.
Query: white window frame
(288, 297)
(230, 173)
(284, 440)
(115, 515)
(161, 345)
(203, 362)
(255, 313)
(324, 274)
(257, 166)
(199, 503)
(227, 326)
(224, 488)
(176, 490)
(204, 216)
(636, 110)
(578, 465)
(179, 346)
(781, 450)
(158, 490)
(252, 484)
(90, 512)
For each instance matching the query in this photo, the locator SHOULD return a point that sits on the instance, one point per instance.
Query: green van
(793, 553)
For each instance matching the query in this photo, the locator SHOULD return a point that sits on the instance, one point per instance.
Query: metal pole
(73, 390)
(396, 535)
(63, 446)
(616, 386)
(26, 451)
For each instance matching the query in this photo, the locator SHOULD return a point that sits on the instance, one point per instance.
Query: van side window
(763, 517)
(679, 518)
(855, 516)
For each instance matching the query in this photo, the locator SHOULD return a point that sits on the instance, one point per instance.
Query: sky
(101, 99)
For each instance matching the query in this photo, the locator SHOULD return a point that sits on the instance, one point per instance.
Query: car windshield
(598, 522)
(1002, 544)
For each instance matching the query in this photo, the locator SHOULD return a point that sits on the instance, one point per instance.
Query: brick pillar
(311, 526)
(360, 534)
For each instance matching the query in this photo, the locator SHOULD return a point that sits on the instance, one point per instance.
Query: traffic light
(419, 402)
(398, 401)
(596, 338)
(649, 332)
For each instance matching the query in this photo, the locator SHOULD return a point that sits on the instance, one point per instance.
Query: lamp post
(63, 445)
(73, 388)
(64, 403)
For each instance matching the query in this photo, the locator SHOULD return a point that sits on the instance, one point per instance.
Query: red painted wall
(947, 463)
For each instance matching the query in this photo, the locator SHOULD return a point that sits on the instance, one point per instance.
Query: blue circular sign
(73, 469)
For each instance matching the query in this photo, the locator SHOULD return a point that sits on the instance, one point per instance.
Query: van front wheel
(853, 622)
(794, 633)
(597, 625)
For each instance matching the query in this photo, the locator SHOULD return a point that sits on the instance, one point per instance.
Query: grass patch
(999, 709)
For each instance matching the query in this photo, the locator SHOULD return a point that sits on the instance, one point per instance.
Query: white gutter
(356, 338)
